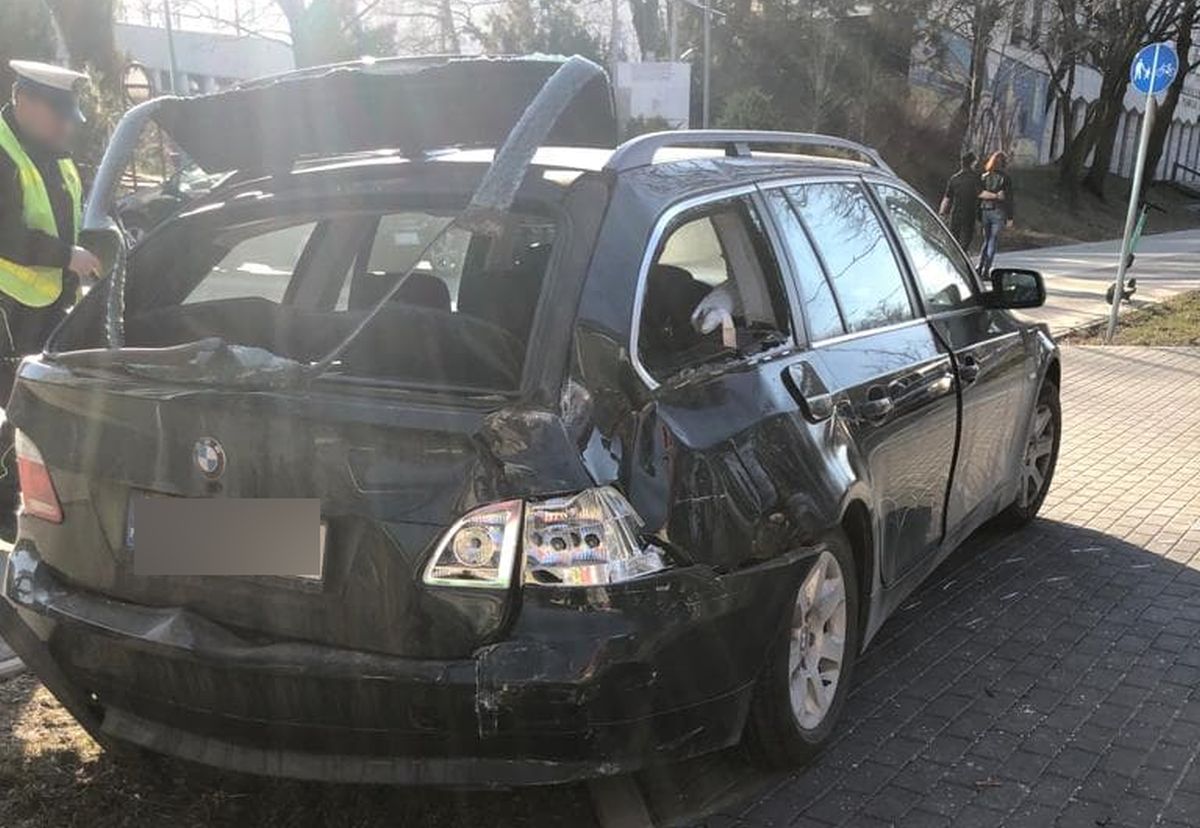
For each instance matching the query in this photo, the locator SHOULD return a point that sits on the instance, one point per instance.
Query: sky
(208, 15)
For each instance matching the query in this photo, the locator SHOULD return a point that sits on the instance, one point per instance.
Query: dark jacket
(17, 242)
(999, 181)
(962, 191)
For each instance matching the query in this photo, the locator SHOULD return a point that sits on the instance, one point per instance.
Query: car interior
(460, 318)
(719, 248)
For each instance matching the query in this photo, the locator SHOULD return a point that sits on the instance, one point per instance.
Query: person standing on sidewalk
(41, 202)
(995, 207)
(960, 200)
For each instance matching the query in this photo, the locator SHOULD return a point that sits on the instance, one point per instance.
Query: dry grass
(53, 774)
(1173, 322)
(1045, 217)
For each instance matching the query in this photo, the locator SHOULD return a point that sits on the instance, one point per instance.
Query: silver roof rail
(737, 143)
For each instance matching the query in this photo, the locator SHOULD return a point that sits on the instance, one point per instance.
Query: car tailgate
(391, 474)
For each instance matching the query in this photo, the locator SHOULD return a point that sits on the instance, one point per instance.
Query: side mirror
(1014, 288)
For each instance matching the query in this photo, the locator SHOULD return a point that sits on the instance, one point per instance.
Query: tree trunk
(1166, 112)
(449, 34)
(87, 29)
(1109, 105)
(646, 26)
(1106, 136)
(317, 32)
(983, 23)
(1075, 151)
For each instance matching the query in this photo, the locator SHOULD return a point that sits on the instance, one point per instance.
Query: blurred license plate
(281, 537)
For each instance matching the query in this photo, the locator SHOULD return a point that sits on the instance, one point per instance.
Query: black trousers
(963, 228)
(23, 331)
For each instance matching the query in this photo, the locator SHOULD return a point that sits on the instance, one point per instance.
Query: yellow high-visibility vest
(37, 287)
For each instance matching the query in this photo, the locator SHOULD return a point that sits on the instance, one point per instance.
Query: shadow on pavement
(1008, 630)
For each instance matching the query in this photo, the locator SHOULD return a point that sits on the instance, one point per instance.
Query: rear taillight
(590, 538)
(38, 498)
(479, 550)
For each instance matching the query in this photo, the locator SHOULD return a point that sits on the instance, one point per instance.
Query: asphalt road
(1078, 275)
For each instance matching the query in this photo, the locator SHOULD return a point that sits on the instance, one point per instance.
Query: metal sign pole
(1135, 191)
(170, 27)
(707, 59)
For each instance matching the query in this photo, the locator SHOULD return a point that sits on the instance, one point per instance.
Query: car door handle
(877, 406)
(807, 387)
(968, 369)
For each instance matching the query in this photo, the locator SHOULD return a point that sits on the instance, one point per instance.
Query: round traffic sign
(1154, 68)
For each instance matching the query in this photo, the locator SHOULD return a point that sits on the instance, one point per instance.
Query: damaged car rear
(549, 523)
(486, 610)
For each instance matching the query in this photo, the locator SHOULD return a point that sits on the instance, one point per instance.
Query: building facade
(206, 61)
(1019, 113)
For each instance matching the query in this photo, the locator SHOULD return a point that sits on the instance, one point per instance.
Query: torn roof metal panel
(413, 106)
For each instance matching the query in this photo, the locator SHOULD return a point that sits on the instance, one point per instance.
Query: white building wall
(1183, 144)
(206, 61)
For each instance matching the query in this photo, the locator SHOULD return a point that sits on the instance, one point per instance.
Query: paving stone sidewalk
(1051, 677)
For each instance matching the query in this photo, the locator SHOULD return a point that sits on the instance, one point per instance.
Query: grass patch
(1173, 322)
(1047, 218)
(53, 774)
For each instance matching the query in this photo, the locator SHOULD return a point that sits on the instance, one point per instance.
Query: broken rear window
(297, 286)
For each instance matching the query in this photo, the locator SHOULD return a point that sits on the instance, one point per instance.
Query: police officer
(40, 209)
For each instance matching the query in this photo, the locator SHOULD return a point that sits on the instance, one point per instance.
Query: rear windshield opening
(297, 286)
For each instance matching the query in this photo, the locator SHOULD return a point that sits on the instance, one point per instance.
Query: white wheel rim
(1035, 466)
(817, 642)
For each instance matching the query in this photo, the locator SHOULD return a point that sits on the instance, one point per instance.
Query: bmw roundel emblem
(209, 457)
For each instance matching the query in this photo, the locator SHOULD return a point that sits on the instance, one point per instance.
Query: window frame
(915, 299)
(914, 279)
(800, 309)
(669, 220)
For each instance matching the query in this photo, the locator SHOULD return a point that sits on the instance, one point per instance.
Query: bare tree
(647, 25)
(87, 29)
(1185, 31)
(1105, 34)
(975, 22)
(319, 31)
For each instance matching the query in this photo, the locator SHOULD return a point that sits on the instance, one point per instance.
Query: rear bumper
(590, 682)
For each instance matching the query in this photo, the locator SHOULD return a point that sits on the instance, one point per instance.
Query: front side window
(942, 272)
(862, 268)
(713, 290)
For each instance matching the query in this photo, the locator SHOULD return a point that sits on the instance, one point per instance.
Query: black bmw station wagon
(603, 457)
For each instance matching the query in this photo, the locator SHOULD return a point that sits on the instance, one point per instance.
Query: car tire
(795, 707)
(1038, 459)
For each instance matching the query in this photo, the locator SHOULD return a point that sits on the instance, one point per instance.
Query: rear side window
(942, 271)
(260, 266)
(713, 290)
(860, 264)
(820, 308)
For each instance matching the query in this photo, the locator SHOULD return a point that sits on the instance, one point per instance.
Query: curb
(1082, 329)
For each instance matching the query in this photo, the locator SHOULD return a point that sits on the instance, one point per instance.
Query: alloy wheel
(818, 641)
(1035, 468)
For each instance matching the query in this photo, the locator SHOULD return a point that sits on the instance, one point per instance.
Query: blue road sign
(1154, 68)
